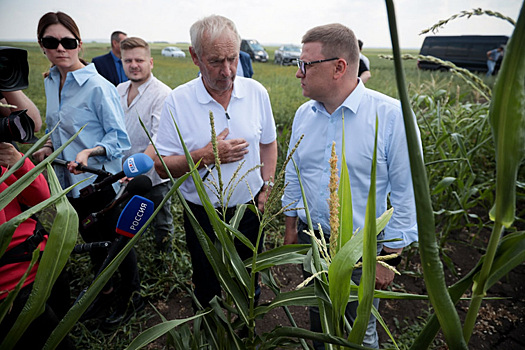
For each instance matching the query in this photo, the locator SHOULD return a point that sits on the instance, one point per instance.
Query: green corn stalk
(368, 278)
(507, 119)
(432, 267)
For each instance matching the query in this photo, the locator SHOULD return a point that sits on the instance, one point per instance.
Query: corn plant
(508, 123)
(62, 238)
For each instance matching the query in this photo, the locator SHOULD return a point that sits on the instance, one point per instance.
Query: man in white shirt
(143, 96)
(246, 137)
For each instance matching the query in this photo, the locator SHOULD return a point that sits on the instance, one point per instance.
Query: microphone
(131, 220)
(134, 216)
(139, 185)
(134, 165)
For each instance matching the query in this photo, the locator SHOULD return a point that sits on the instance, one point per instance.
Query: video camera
(14, 75)
(14, 69)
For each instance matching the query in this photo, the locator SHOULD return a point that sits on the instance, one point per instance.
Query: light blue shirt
(86, 98)
(312, 156)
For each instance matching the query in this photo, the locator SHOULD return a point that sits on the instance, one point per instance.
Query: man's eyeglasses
(302, 64)
(51, 43)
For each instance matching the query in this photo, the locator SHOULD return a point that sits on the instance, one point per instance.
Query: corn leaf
(346, 222)
(287, 254)
(507, 119)
(159, 330)
(221, 270)
(368, 278)
(294, 332)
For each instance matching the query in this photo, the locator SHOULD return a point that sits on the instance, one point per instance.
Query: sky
(270, 22)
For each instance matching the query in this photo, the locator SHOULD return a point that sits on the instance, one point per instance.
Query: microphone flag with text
(139, 185)
(134, 216)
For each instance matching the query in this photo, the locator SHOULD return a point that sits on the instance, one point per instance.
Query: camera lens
(14, 69)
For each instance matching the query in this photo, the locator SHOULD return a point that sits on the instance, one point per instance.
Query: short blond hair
(337, 41)
(134, 42)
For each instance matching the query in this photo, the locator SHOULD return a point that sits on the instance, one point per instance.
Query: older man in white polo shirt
(246, 133)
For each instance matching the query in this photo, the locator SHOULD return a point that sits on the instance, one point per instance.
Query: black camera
(14, 69)
(14, 75)
(19, 127)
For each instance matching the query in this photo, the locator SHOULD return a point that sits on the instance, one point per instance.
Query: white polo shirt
(249, 116)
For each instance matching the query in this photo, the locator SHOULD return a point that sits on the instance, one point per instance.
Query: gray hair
(211, 27)
(337, 41)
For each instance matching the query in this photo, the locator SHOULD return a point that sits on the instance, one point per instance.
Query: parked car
(287, 54)
(172, 51)
(254, 49)
(465, 51)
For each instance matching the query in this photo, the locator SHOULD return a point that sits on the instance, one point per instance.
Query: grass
(456, 140)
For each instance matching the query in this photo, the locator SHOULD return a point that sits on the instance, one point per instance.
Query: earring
(44, 51)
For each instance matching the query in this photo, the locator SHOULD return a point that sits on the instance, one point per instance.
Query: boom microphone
(134, 216)
(134, 165)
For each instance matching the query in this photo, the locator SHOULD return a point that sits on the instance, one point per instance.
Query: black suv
(465, 51)
(254, 49)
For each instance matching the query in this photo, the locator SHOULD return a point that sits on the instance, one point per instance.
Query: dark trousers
(104, 230)
(206, 284)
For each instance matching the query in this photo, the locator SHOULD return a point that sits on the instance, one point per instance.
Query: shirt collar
(204, 97)
(141, 88)
(351, 102)
(80, 75)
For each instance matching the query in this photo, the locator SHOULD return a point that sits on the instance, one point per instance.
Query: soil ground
(500, 322)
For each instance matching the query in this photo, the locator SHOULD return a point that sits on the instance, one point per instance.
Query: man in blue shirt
(492, 57)
(328, 72)
(110, 64)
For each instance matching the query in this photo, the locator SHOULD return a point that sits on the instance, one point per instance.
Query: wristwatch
(392, 262)
(268, 183)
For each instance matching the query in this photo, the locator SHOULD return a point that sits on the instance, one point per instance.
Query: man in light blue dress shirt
(328, 72)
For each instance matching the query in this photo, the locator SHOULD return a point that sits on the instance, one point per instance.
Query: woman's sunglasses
(51, 43)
